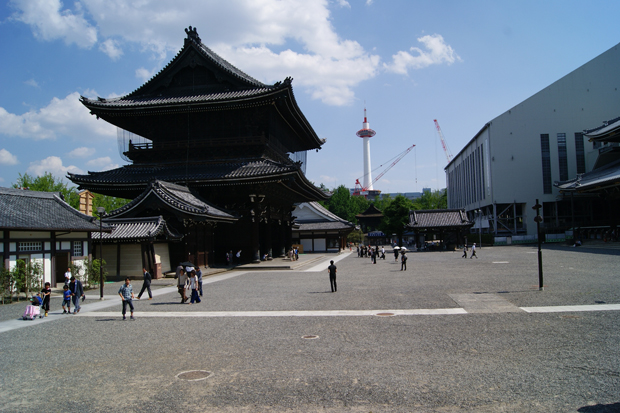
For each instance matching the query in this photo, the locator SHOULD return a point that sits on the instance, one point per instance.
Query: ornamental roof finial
(192, 34)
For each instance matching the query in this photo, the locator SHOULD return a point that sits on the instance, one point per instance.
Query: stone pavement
(447, 335)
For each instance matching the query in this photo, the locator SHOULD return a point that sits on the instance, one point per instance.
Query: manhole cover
(384, 314)
(194, 375)
(310, 337)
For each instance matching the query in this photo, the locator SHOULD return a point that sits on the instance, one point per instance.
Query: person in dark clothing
(332, 276)
(77, 292)
(464, 252)
(403, 262)
(46, 294)
(146, 284)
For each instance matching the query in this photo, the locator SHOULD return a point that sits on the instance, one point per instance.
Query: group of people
(365, 251)
(473, 251)
(233, 258)
(73, 291)
(189, 278)
(293, 254)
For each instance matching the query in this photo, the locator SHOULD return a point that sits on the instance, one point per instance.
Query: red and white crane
(443, 142)
(359, 189)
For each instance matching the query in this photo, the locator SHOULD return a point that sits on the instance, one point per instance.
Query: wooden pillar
(118, 260)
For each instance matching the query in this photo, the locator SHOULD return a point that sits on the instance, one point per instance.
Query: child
(66, 299)
(46, 293)
(36, 300)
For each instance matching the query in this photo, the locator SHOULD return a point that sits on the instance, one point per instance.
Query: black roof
(438, 218)
(45, 211)
(175, 198)
(139, 229)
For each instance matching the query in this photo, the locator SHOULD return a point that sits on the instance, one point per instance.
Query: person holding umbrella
(396, 253)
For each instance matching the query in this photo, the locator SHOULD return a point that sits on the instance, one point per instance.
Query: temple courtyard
(447, 335)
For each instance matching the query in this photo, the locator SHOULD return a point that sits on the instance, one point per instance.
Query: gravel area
(490, 362)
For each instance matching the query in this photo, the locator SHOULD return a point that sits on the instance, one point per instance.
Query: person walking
(66, 299)
(395, 255)
(199, 279)
(68, 276)
(126, 293)
(146, 284)
(403, 262)
(473, 251)
(181, 285)
(77, 292)
(332, 276)
(464, 252)
(193, 285)
(238, 256)
(46, 293)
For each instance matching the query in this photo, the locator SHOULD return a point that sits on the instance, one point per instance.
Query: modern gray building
(517, 157)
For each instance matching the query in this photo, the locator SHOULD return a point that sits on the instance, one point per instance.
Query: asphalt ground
(248, 334)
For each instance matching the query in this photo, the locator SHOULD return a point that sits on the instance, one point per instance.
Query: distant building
(517, 157)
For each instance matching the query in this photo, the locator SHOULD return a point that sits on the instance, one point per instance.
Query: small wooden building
(318, 230)
(42, 226)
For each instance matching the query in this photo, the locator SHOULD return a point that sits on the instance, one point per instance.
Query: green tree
(93, 270)
(48, 183)
(27, 275)
(432, 200)
(396, 216)
(340, 203)
(359, 204)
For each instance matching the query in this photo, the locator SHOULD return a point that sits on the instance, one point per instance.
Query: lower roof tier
(217, 177)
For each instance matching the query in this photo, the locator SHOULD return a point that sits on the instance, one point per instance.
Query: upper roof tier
(197, 81)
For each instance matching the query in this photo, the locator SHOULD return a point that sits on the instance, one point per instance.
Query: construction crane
(443, 142)
(359, 189)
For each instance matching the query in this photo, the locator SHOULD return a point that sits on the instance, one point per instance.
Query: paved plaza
(447, 335)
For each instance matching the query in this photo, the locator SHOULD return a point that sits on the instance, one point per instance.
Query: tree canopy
(48, 183)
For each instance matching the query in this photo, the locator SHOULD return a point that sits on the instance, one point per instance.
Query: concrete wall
(512, 157)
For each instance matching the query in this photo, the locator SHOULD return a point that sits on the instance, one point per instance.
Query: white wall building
(516, 157)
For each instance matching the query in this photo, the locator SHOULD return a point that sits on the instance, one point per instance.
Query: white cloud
(343, 3)
(102, 164)
(82, 152)
(111, 48)
(52, 164)
(328, 179)
(247, 32)
(144, 74)
(49, 21)
(31, 82)
(437, 52)
(62, 117)
(7, 158)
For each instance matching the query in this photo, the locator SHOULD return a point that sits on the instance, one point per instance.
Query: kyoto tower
(366, 133)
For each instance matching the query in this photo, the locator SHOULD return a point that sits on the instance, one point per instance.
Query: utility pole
(538, 220)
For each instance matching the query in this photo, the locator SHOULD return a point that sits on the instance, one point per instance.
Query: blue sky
(409, 62)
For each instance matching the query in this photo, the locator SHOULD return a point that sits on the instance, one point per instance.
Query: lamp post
(101, 212)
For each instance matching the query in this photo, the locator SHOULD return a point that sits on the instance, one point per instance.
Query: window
(580, 153)
(77, 248)
(562, 156)
(546, 162)
(30, 246)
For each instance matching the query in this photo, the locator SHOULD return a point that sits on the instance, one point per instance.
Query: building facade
(517, 157)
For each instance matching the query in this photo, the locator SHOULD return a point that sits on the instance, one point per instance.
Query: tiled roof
(330, 221)
(179, 198)
(324, 226)
(609, 131)
(138, 229)
(605, 176)
(438, 218)
(47, 211)
(234, 170)
(129, 101)
(371, 212)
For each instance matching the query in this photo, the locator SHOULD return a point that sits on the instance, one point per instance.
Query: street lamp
(101, 212)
